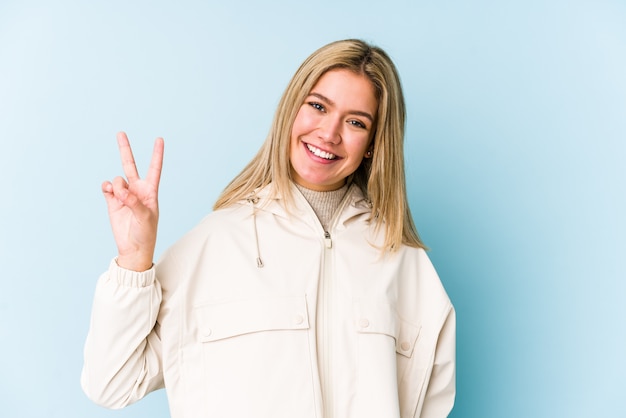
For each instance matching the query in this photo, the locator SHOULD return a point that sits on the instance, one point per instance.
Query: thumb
(121, 195)
(136, 206)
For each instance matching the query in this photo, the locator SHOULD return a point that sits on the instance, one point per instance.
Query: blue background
(515, 153)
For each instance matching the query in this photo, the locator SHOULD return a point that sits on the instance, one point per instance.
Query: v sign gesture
(134, 207)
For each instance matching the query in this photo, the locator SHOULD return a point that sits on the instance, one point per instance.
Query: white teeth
(320, 153)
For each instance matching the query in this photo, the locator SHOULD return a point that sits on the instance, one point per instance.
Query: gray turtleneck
(324, 204)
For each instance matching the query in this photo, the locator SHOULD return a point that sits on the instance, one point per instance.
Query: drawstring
(253, 200)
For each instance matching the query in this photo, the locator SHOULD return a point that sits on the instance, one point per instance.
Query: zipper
(327, 240)
(328, 297)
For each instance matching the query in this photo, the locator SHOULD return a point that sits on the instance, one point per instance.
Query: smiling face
(333, 130)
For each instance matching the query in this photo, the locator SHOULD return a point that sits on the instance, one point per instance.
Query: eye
(357, 123)
(317, 106)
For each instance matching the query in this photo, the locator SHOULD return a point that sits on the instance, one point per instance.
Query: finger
(156, 163)
(119, 189)
(112, 202)
(107, 187)
(128, 161)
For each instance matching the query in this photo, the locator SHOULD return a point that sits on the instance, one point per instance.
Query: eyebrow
(352, 112)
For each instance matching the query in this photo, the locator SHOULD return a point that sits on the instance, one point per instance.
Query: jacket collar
(353, 204)
(266, 199)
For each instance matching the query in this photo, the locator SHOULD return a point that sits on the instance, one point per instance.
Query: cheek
(360, 145)
(305, 122)
(295, 128)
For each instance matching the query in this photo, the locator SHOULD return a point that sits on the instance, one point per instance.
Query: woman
(306, 293)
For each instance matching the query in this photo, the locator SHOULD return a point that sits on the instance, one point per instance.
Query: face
(333, 130)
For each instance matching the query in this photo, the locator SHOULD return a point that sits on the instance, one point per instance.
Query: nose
(329, 130)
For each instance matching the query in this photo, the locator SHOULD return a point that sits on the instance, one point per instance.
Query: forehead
(345, 87)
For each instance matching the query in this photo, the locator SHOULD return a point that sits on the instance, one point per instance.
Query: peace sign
(133, 207)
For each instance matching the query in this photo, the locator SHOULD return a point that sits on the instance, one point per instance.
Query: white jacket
(326, 328)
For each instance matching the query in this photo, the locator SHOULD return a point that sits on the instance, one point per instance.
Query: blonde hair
(381, 178)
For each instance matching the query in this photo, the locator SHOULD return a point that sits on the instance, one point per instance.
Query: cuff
(130, 278)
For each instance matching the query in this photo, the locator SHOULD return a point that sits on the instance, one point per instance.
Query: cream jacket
(259, 312)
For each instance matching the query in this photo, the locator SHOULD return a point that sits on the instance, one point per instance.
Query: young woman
(306, 293)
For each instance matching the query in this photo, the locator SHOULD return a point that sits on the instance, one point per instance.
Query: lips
(320, 153)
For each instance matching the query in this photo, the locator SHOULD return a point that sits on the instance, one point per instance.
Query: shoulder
(216, 222)
(422, 286)
(211, 227)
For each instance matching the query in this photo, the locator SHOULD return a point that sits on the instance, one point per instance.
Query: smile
(319, 153)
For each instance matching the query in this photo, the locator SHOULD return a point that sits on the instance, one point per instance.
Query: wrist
(134, 263)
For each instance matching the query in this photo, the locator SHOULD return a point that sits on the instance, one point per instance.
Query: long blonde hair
(381, 178)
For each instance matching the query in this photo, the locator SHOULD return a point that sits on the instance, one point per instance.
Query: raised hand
(134, 207)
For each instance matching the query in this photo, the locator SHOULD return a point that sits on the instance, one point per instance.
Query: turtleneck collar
(324, 204)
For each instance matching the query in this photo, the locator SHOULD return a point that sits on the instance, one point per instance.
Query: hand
(134, 207)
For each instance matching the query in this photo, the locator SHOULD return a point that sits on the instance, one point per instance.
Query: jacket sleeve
(441, 390)
(122, 357)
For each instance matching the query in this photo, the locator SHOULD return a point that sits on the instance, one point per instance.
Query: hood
(267, 199)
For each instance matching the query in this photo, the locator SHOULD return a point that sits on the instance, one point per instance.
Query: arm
(123, 349)
(441, 389)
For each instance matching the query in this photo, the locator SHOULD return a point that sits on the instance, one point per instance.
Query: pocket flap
(217, 321)
(381, 318)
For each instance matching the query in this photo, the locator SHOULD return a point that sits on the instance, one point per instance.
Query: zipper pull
(328, 240)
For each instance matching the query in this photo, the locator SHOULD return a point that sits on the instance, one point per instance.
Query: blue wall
(515, 148)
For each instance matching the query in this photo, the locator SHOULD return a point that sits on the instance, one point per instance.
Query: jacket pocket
(233, 318)
(256, 357)
(386, 343)
(381, 318)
